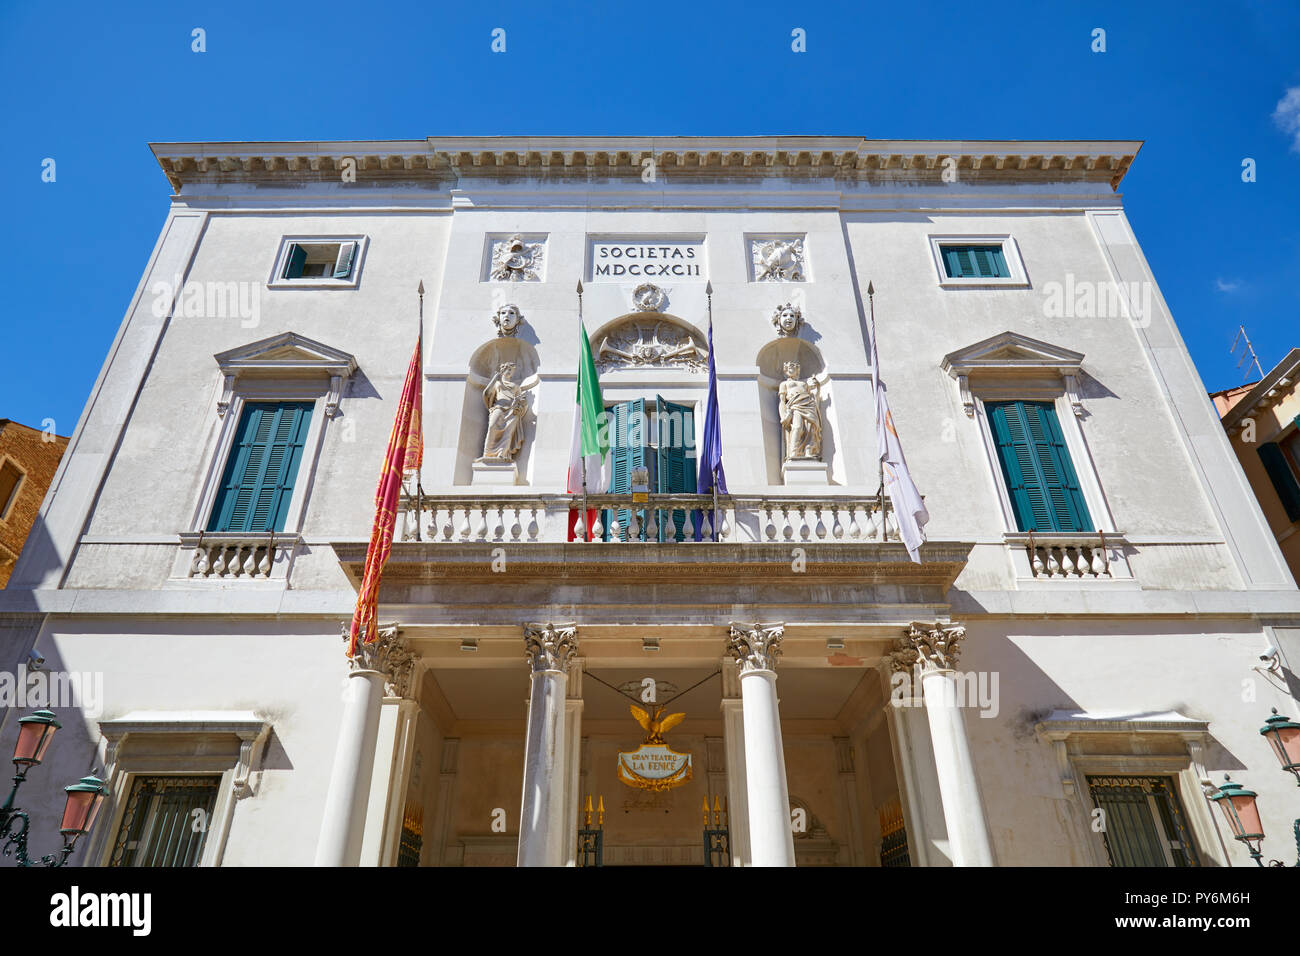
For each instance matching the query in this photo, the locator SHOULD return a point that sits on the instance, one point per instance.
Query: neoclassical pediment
(287, 354)
(1009, 356)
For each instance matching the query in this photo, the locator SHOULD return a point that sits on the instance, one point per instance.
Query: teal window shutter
(627, 447)
(675, 457)
(343, 264)
(1040, 477)
(297, 259)
(257, 485)
(958, 261)
(1283, 479)
(975, 262)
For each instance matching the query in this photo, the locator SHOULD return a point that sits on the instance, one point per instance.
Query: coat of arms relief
(517, 259)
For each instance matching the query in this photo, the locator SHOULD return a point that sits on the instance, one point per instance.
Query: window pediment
(286, 355)
(1012, 359)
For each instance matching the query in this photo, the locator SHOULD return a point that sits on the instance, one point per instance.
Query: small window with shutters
(318, 262)
(975, 262)
(1036, 466)
(978, 261)
(257, 484)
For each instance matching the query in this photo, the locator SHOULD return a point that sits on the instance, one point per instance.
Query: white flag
(909, 509)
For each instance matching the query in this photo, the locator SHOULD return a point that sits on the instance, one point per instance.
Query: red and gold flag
(405, 454)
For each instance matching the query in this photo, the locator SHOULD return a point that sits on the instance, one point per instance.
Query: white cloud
(1287, 116)
(1227, 285)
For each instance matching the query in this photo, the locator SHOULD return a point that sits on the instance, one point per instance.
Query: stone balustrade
(235, 557)
(1066, 556)
(617, 518)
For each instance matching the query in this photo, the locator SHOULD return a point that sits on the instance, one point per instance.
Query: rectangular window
(1143, 822)
(257, 485)
(974, 262)
(319, 260)
(166, 821)
(1040, 477)
(1281, 462)
(11, 477)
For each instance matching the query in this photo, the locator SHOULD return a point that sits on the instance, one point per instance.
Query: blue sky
(91, 84)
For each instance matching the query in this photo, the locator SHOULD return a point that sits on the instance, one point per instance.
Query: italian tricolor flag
(590, 445)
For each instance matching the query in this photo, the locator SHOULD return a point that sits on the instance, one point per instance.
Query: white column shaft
(354, 756)
(771, 842)
(541, 826)
(733, 735)
(963, 810)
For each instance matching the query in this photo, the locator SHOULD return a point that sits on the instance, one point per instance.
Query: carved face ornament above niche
(507, 319)
(787, 319)
(517, 259)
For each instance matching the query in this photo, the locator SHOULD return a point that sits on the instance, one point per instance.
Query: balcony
(649, 519)
(1093, 556)
(230, 558)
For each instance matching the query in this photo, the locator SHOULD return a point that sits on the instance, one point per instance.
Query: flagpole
(708, 291)
(875, 373)
(582, 519)
(419, 344)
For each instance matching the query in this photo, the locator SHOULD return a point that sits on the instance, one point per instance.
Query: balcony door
(663, 443)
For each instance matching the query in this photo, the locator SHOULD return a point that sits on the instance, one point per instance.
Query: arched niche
(649, 340)
(483, 364)
(771, 361)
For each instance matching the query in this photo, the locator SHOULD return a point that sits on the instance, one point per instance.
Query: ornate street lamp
(35, 732)
(1238, 806)
(1283, 735)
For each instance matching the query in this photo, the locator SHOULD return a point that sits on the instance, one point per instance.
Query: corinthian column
(385, 662)
(541, 827)
(755, 647)
(934, 648)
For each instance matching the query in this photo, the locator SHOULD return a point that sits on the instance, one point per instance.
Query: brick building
(28, 459)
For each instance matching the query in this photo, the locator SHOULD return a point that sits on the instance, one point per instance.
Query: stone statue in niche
(787, 319)
(507, 319)
(517, 260)
(507, 405)
(801, 416)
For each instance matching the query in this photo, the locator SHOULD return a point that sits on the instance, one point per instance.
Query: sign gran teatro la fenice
(654, 766)
(620, 259)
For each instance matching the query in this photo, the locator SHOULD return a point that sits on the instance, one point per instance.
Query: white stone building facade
(1094, 637)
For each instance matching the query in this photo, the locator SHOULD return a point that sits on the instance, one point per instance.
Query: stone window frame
(318, 376)
(1019, 277)
(125, 755)
(1066, 730)
(276, 279)
(283, 368)
(7, 507)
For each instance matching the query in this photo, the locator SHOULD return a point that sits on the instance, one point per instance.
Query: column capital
(934, 646)
(755, 646)
(550, 647)
(388, 655)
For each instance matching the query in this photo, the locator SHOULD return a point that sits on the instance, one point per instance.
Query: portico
(781, 667)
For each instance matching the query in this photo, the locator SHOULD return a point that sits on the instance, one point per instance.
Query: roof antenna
(1248, 356)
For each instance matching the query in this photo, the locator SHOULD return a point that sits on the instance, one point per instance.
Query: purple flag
(711, 445)
(710, 449)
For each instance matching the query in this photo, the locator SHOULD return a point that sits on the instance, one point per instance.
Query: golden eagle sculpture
(656, 726)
